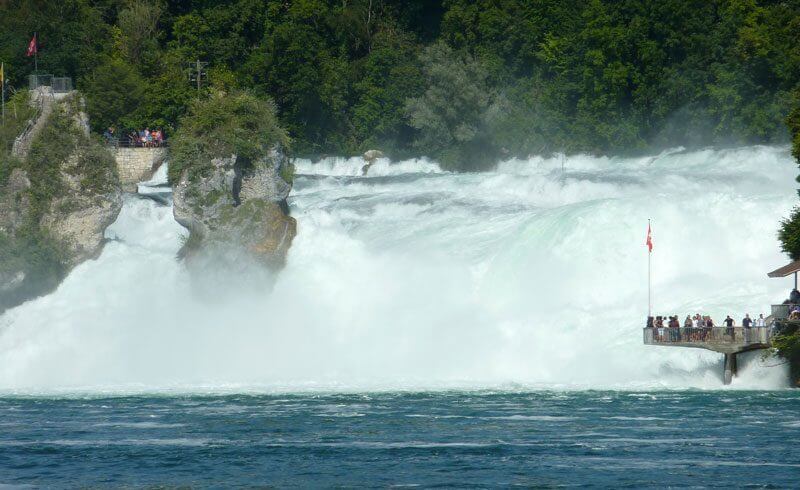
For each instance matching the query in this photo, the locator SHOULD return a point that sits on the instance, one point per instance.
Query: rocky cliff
(231, 176)
(55, 203)
(238, 206)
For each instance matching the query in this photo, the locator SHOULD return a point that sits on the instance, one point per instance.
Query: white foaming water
(337, 166)
(526, 277)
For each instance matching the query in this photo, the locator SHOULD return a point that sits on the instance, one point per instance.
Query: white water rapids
(412, 278)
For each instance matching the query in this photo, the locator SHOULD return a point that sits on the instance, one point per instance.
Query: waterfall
(531, 276)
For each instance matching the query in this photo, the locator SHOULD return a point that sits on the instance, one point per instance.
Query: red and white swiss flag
(33, 47)
(649, 241)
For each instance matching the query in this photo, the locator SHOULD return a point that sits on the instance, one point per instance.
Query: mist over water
(532, 276)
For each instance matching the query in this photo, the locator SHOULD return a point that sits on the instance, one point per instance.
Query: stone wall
(137, 164)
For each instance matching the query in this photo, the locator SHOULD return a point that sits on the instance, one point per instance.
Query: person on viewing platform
(794, 297)
(729, 323)
(674, 329)
(747, 322)
(688, 323)
(650, 322)
(760, 321)
(108, 134)
(709, 322)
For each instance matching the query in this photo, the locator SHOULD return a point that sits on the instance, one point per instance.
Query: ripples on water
(608, 439)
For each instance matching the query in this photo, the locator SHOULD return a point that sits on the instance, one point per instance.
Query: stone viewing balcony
(727, 341)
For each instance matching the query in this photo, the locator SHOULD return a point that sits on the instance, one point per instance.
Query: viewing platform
(729, 341)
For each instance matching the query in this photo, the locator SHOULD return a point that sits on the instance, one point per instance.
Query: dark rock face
(237, 208)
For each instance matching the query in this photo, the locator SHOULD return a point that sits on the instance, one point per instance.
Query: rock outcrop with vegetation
(55, 203)
(231, 177)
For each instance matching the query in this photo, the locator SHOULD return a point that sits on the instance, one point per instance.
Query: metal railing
(782, 311)
(128, 142)
(59, 85)
(62, 85)
(713, 335)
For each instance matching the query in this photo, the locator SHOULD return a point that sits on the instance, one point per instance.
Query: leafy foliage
(114, 90)
(787, 345)
(18, 111)
(224, 124)
(455, 114)
(789, 234)
(596, 76)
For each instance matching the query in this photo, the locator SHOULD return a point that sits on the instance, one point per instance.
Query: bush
(458, 110)
(786, 344)
(222, 125)
(18, 111)
(114, 91)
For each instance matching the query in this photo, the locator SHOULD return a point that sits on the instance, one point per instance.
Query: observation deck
(729, 341)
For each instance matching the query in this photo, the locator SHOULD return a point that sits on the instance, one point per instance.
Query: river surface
(453, 439)
(429, 328)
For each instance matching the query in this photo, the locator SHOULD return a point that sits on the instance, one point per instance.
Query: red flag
(649, 241)
(33, 47)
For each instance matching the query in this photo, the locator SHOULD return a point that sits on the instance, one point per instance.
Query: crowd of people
(143, 138)
(697, 328)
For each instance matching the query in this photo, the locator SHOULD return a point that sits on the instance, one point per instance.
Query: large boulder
(237, 207)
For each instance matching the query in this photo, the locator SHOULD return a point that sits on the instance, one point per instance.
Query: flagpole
(3, 90)
(649, 254)
(36, 53)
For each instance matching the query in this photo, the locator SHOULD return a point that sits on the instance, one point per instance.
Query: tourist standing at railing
(675, 328)
(747, 323)
(729, 323)
(760, 321)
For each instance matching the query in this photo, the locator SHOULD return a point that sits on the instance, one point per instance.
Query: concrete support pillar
(730, 368)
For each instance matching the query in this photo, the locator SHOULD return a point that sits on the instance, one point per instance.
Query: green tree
(389, 76)
(455, 114)
(113, 92)
(138, 25)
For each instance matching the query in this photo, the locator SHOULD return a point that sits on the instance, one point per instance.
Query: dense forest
(466, 82)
